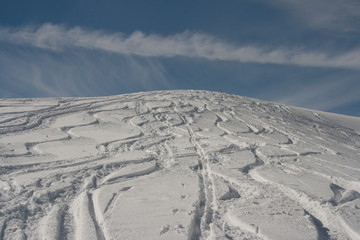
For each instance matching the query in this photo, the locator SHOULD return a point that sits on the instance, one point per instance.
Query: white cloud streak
(186, 44)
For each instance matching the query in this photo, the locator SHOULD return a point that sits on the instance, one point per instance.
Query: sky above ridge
(303, 53)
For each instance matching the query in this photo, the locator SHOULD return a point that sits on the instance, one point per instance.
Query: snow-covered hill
(176, 165)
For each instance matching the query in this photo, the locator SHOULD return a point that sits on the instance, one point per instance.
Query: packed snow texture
(176, 165)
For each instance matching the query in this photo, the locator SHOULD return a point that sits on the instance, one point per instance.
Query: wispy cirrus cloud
(186, 44)
(27, 72)
(325, 95)
(341, 15)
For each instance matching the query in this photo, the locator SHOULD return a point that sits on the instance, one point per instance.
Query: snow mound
(176, 165)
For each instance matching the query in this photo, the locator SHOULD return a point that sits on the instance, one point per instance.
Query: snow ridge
(176, 165)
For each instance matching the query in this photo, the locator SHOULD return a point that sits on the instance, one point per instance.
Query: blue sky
(303, 53)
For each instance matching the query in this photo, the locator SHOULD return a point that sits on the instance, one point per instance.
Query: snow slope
(176, 165)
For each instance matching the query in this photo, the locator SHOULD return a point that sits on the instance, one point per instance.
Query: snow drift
(176, 165)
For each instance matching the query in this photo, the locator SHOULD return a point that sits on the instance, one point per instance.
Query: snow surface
(176, 165)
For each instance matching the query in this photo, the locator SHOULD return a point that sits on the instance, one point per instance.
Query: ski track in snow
(175, 165)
